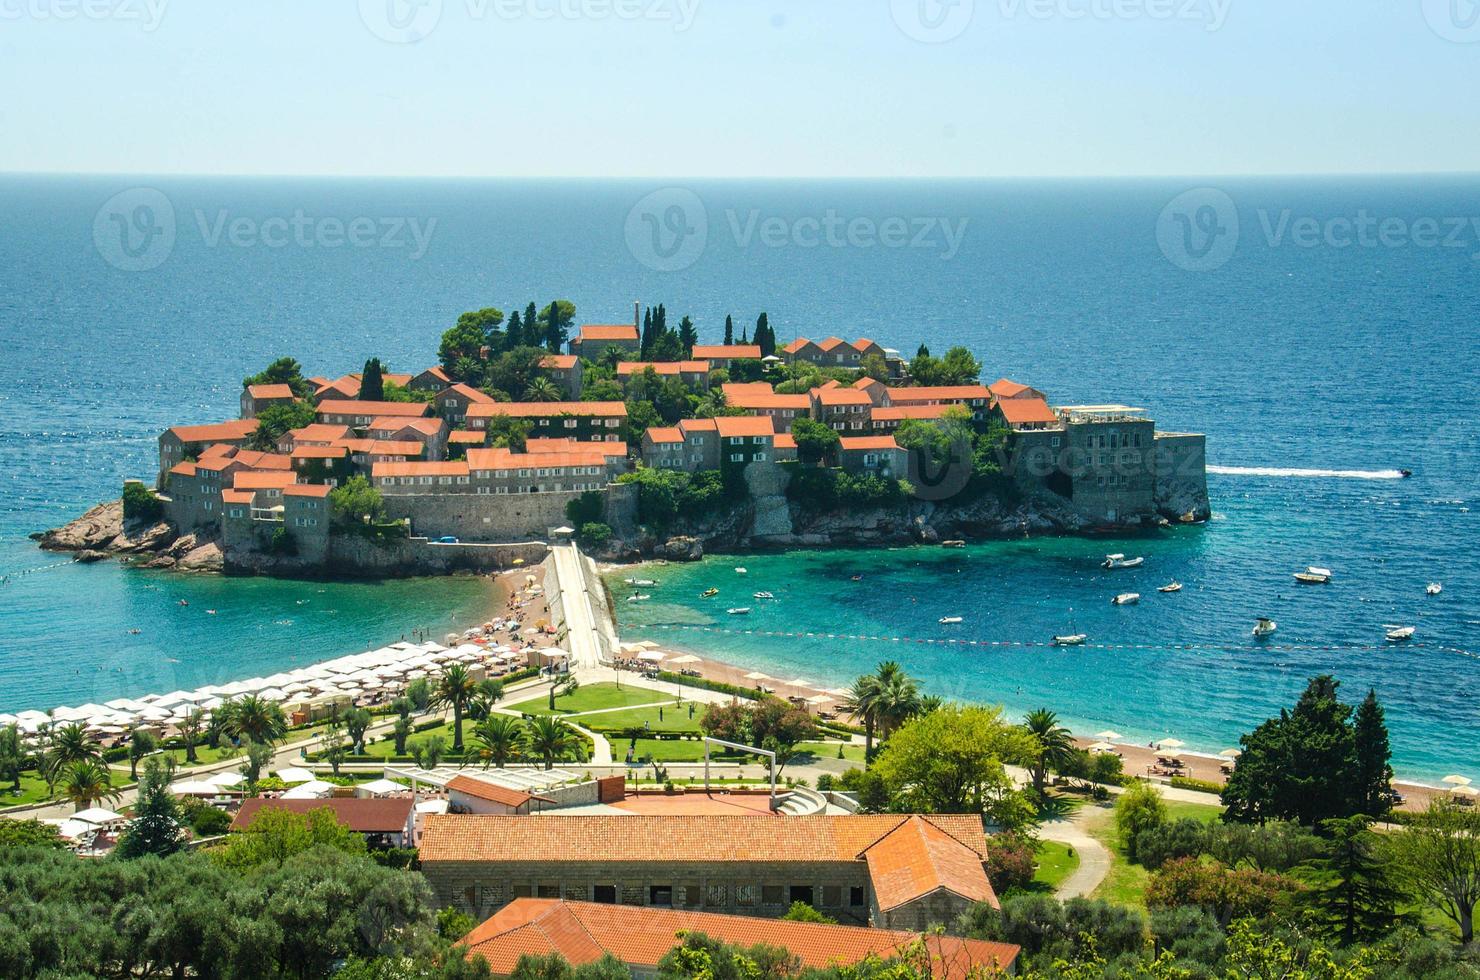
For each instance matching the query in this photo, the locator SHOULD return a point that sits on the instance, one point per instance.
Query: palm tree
(71, 743)
(898, 697)
(86, 784)
(191, 726)
(258, 721)
(490, 693)
(1055, 744)
(862, 703)
(499, 739)
(542, 390)
(455, 688)
(551, 739)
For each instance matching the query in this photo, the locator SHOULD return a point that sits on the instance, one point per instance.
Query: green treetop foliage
(1373, 771)
(508, 432)
(764, 336)
(817, 443)
(1304, 765)
(1436, 858)
(140, 503)
(1355, 897)
(275, 420)
(357, 502)
(1140, 808)
(29, 834)
(729, 330)
(372, 381)
(275, 835)
(952, 761)
(556, 321)
(688, 336)
(958, 367)
(283, 371)
(156, 828)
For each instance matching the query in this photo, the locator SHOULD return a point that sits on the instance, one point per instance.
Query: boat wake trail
(1307, 474)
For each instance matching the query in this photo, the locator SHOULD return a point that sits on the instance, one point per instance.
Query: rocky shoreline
(103, 533)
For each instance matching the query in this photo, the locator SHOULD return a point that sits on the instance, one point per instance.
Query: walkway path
(1094, 860)
(575, 603)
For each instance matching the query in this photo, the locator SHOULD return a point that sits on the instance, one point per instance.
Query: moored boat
(1171, 587)
(1127, 599)
(949, 620)
(1313, 576)
(638, 597)
(953, 544)
(709, 593)
(1121, 561)
(739, 611)
(741, 571)
(765, 595)
(1072, 640)
(1397, 634)
(1433, 588)
(1264, 627)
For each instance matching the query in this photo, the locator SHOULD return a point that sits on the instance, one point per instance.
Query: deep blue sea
(1295, 352)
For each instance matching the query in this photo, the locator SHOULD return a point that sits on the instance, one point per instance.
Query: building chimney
(637, 313)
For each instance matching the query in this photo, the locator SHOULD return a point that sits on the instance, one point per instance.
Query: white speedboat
(949, 620)
(953, 544)
(1313, 576)
(1264, 627)
(1127, 599)
(741, 571)
(638, 597)
(1397, 634)
(765, 595)
(1171, 587)
(1121, 561)
(1433, 588)
(739, 611)
(643, 582)
(1072, 640)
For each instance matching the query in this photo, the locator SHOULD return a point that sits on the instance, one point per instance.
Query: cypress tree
(647, 331)
(532, 331)
(515, 336)
(729, 330)
(1374, 772)
(764, 337)
(372, 382)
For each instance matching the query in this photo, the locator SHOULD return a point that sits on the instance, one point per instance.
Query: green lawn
(671, 750)
(33, 790)
(1056, 862)
(1126, 882)
(829, 750)
(386, 747)
(592, 697)
(674, 718)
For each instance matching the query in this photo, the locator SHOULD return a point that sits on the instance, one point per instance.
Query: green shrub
(1139, 808)
(140, 503)
(208, 821)
(595, 535)
(1156, 846)
(1197, 785)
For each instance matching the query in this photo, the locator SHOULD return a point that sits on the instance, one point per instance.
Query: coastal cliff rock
(93, 531)
(682, 548)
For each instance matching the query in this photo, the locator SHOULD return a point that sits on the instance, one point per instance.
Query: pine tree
(729, 330)
(1374, 771)
(687, 336)
(1356, 901)
(155, 828)
(372, 381)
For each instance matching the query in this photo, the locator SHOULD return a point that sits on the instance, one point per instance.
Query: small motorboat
(1121, 561)
(638, 597)
(1264, 627)
(1405, 474)
(1072, 640)
(1397, 634)
(709, 593)
(1171, 587)
(857, 578)
(1313, 576)
(739, 611)
(741, 571)
(765, 595)
(1127, 599)
(949, 620)
(1433, 588)
(953, 544)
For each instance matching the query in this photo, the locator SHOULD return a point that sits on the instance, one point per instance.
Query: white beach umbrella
(227, 779)
(273, 694)
(1231, 753)
(194, 787)
(1109, 735)
(315, 789)
(97, 815)
(381, 787)
(756, 675)
(7, 719)
(1102, 747)
(1171, 743)
(1457, 780)
(798, 682)
(293, 774)
(1465, 791)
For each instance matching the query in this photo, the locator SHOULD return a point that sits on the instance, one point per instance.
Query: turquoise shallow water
(1334, 359)
(1178, 664)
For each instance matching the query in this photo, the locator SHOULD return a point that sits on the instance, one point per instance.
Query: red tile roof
(464, 437)
(664, 435)
(318, 432)
(574, 445)
(270, 391)
(785, 440)
(841, 396)
(724, 839)
(364, 816)
(466, 391)
(767, 401)
(560, 362)
(237, 496)
(375, 409)
(918, 858)
(346, 387)
(734, 426)
(263, 461)
(718, 352)
(318, 490)
(183, 469)
(942, 393)
(1026, 411)
(548, 409)
(663, 368)
(233, 431)
(582, 932)
(484, 790)
(319, 452)
(437, 373)
(217, 450)
(868, 384)
(607, 331)
(263, 479)
(1006, 388)
(796, 345)
(697, 425)
(868, 443)
(426, 426)
(898, 413)
(503, 459)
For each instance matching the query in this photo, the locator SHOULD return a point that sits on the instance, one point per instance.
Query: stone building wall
(482, 517)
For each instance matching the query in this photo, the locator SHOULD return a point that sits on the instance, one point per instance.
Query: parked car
(449, 539)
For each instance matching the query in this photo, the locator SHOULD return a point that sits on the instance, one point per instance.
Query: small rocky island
(639, 441)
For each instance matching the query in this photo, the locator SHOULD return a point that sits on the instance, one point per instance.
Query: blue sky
(741, 87)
